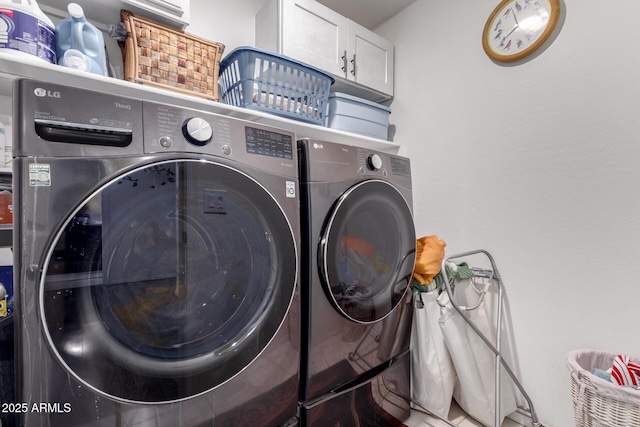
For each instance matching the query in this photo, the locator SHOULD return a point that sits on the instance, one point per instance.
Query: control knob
(374, 162)
(197, 131)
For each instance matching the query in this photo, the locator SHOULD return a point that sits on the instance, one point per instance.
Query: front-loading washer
(156, 255)
(357, 260)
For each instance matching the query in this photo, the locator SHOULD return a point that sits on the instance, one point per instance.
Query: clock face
(518, 27)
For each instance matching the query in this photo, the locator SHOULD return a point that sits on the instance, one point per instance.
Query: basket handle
(581, 401)
(130, 62)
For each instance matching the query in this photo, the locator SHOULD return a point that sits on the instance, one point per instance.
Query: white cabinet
(312, 33)
(174, 12)
(371, 59)
(308, 31)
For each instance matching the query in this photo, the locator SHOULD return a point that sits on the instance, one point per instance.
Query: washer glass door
(168, 281)
(367, 251)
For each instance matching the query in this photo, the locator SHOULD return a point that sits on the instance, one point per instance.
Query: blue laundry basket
(261, 80)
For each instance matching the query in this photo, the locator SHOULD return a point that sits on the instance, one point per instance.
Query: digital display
(268, 143)
(400, 166)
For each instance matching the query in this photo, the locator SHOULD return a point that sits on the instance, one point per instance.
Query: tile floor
(456, 415)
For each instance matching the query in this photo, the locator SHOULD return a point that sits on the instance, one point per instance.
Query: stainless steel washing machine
(358, 257)
(156, 252)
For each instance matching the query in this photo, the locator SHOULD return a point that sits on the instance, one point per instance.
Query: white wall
(539, 164)
(231, 23)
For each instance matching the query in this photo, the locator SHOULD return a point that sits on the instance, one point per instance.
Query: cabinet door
(314, 34)
(370, 59)
(174, 12)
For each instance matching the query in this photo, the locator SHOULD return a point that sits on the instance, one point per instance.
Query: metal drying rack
(495, 275)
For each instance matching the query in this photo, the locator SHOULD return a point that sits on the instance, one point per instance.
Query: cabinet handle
(353, 61)
(344, 62)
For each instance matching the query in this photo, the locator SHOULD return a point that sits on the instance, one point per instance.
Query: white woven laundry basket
(597, 402)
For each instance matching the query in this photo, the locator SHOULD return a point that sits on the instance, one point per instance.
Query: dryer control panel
(335, 162)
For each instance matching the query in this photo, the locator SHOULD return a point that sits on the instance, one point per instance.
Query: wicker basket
(597, 402)
(160, 56)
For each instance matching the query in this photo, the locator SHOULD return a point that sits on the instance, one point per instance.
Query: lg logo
(40, 92)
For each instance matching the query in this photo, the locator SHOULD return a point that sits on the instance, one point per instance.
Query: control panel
(269, 143)
(69, 121)
(332, 161)
(174, 129)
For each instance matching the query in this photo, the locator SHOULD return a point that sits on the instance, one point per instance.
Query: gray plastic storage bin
(357, 115)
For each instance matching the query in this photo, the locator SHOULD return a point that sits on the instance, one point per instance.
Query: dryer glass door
(168, 281)
(367, 251)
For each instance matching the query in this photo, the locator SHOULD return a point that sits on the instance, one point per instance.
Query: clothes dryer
(156, 255)
(358, 256)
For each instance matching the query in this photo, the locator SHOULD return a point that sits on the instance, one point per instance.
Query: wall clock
(517, 28)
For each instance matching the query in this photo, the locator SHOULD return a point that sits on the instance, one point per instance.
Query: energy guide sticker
(39, 175)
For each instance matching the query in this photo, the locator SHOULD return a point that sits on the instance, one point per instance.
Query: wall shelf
(13, 67)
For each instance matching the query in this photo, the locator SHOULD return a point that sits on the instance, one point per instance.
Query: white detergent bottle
(26, 30)
(83, 39)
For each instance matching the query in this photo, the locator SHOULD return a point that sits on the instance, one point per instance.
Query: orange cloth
(361, 246)
(429, 256)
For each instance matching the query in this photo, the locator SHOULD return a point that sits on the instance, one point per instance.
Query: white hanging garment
(433, 376)
(473, 360)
